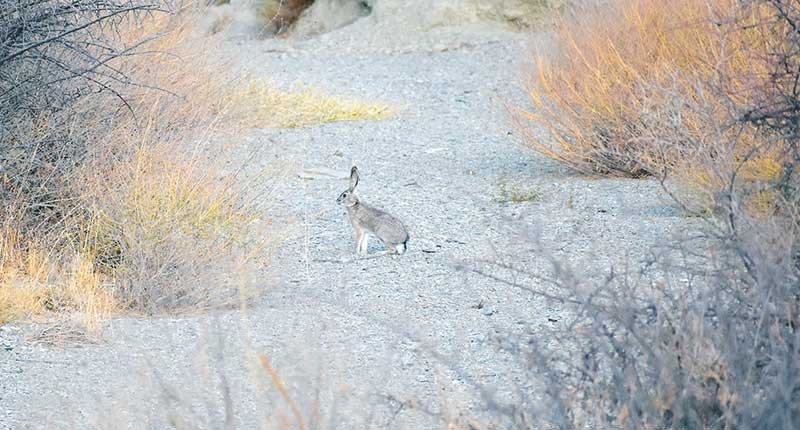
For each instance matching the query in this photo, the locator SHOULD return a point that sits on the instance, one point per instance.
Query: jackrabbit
(371, 221)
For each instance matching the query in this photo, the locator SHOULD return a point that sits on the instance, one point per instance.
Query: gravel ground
(383, 342)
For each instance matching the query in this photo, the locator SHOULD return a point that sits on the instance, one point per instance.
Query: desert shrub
(704, 333)
(637, 85)
(113, 195)
(161, 211)
(48, 74)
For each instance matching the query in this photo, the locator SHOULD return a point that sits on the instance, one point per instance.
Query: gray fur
(369, 221)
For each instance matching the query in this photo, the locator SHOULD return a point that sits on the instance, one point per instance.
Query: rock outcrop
(420, 15)
(308, 18)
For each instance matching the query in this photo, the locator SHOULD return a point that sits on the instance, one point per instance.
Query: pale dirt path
(360, 335)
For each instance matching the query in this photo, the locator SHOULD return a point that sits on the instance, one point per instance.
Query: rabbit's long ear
(353, 177)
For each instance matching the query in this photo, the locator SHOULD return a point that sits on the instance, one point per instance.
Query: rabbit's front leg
(362, 241)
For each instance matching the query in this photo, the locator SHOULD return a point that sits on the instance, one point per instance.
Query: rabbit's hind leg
(397, 249)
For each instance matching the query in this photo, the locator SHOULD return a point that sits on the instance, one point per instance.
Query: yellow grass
(263, 105)
(762, 204)
(19, 299)
(764, 168)
(33, 283)
(86, 291)
(167, 195)
(23, 278)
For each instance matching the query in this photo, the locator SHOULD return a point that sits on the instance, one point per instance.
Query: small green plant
(515, 194)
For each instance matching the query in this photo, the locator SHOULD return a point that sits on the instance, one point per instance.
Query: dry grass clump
(32, 283)
(171, 231)
(263, 105)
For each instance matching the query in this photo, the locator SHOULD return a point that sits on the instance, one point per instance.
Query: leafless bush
(54, 52)
(685, 341)
(53, 55)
